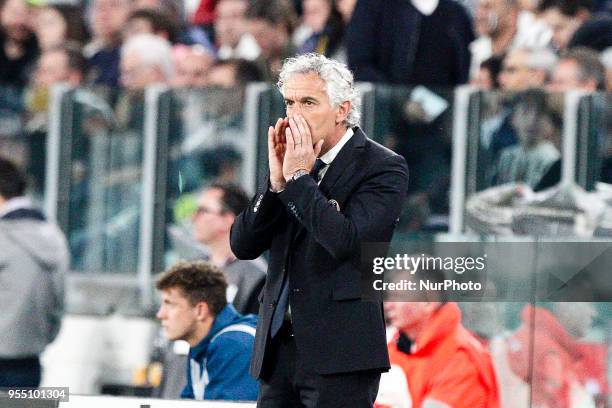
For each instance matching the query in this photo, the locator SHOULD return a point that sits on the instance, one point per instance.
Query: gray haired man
(330, 190)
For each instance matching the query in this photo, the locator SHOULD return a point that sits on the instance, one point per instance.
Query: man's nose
(294, 110)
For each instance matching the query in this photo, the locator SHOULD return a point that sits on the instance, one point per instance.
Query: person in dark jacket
(403, 42)
(18, 47)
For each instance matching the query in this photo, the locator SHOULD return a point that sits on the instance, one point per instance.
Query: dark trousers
(20, 372)
(287, 383)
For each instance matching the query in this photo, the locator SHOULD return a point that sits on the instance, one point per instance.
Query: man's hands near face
(290, 149)
(277, 146)
(300, 154)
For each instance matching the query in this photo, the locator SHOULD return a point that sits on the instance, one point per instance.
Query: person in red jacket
(546, 355)
(442, 363)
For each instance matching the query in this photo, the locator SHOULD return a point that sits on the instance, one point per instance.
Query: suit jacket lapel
(346, 159)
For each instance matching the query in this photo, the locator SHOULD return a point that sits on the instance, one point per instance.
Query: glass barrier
(552, 354)
(527, 164)
(104, 152)
(544, 315)
(23, 134)
(208, 141)
(594, 140)
(517, 139)
(417, 123)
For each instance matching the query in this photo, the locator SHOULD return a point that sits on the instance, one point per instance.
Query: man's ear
(202, 311)
(343, 110)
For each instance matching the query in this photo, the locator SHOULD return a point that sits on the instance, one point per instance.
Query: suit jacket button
(297, 290)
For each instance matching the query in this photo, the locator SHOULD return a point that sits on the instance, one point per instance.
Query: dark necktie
(283, 300)
(314, 173)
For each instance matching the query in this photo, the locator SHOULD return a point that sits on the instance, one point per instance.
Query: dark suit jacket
(390, 41)
(318, 246)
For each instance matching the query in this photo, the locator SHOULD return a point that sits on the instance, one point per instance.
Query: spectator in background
(108, 19)
(501, 26)
(151, 21)
(578, 69)
(231, 34)
(194, 308)
(581, 69)
(435, 361)
(573, 24)
(403, 42)
(146, 59)
(192, 65)
(595, 33)
(56, 24)
(488, 74)
(550, 339)
(346, 8)
(271, 23)
(522, 69)
(525, 68)
(34, 259)
(18, 49)
(537, 129)
(218, 207)
(172, 12)
(61, 64)
(234, 72)
(321, 30)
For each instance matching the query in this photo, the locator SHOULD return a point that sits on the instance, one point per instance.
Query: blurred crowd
(512, 44)
(507, 45)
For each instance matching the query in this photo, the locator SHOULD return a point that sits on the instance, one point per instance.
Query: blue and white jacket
(218, 367)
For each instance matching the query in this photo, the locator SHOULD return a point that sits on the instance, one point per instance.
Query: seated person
(435, 361)
(218, 206)
(537, 128)
(194, 308)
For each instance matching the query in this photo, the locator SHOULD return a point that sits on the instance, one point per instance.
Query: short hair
(246, 71)
(159, 20)
(538, 101)
(153, 50)
(234, 198)
(494, 66)
(76, 28)
(569, 8)
(199, 281)
(12, 180)
(339, 82)
(589, 64)
(274, 12)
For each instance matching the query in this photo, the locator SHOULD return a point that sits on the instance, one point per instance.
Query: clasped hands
(290, 148)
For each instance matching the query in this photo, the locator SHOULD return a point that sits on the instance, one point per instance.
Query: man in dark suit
(330, 189)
